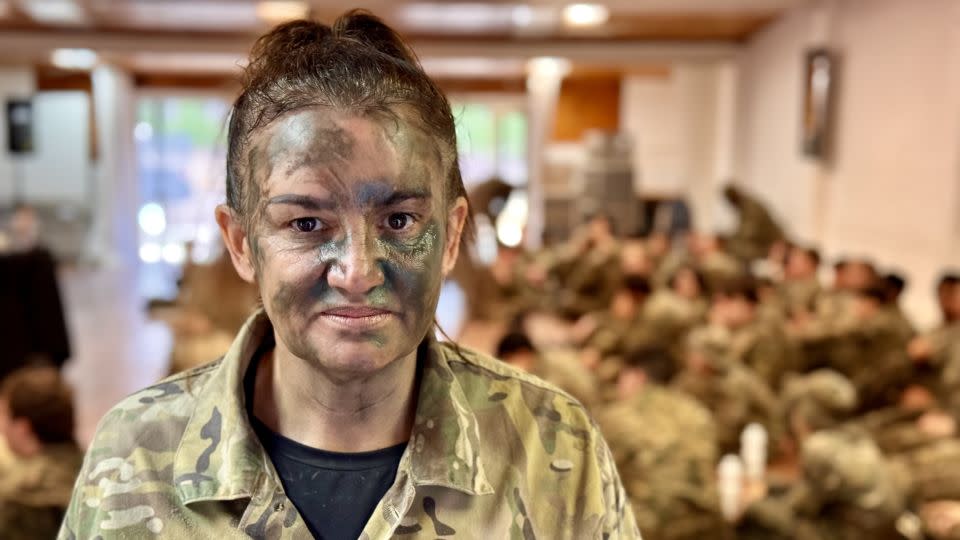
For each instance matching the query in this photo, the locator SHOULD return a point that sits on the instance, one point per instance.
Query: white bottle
(730, 480)
(753, 452)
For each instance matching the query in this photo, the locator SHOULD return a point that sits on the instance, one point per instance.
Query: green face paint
(351, 235)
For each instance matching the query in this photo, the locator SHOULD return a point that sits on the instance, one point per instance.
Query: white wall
(58, 170)
(683, 129)
(891, 188)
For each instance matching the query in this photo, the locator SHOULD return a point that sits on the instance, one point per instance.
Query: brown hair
(41, 396)
(360, 65)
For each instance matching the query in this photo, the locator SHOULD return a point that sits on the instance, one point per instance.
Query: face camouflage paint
(349, 230)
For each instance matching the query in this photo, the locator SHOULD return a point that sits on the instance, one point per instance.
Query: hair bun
(274, 47)
(365, 27)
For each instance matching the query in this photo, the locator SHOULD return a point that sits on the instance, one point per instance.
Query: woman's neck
(303, 402)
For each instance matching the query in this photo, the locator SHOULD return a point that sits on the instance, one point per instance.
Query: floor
(117, 350)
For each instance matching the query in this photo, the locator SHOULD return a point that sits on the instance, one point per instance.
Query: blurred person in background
(754, 342)
(847, 490)
(664, 444)
(589, 268)
(559, 366)
(37, 423)
(711, 259)
(801, 282)
(756, 230)
(672, 312)
(733, 392)
(24, 229)
(336, 413)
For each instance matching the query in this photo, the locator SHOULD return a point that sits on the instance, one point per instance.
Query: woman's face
(350, 236)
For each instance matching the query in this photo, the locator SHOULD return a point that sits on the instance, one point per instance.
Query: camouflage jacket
(493, 453)
(35, 491)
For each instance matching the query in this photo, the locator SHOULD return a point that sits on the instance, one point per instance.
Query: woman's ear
(456, 220)
(237, 242)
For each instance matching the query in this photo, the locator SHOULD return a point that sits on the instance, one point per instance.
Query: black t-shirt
(334, 492)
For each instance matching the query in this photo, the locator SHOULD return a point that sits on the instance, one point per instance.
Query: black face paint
(364, 183)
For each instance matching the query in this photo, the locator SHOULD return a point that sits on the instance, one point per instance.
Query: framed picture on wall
(820, 66)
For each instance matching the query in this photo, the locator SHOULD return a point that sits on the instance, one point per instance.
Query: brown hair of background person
(40, 396)
(946, 285)
(36, 479)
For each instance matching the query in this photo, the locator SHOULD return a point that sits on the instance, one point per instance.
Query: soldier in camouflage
(663, 443)
(37, 422)
(335, 414)
(756, 231)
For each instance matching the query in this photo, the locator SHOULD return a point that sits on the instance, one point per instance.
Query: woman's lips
(356, 317)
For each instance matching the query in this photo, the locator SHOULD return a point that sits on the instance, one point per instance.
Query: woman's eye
(398, 222)
(306, 224)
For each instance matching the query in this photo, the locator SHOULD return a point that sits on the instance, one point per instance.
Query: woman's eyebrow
(304, 201)
(398, 197)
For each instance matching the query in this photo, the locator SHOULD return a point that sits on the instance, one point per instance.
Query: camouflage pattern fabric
(801, 295)
(35, 491)
(756, 231)
(663, 443)
(733, 392)
(765, 348)
(493, 453)
(848, 492)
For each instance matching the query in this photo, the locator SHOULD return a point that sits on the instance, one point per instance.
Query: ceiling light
(74, 58)
(278, 11)
(585, 14)
(465, 16)
(54, 11)
(473, 67)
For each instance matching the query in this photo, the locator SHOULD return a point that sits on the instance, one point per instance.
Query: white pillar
(117, 200)
(543, 88)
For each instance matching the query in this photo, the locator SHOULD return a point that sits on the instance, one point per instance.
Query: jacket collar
(220, 457)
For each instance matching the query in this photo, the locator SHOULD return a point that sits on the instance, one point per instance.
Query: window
(492, 139)
(181, 151)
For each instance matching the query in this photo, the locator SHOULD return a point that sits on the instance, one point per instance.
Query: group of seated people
(683, 349)
(677, 346)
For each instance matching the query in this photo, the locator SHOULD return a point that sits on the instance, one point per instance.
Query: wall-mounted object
(20, 126)
(819, 85)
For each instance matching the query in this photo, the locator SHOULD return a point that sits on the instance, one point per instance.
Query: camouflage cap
(713, 342)
(823, 397)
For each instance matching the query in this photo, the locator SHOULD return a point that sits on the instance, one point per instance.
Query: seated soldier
(756, 343)
(36, 420)
(663, 444)
(801, 284)
(894, 284)
(735, 394)
(607, 335)
(935, 481)
(756, 231)
(634, 259)
(930, 350)
(588, 268)
(847, 489)
(871, 351)
(713, 262)
(558, 366)
(672, 312)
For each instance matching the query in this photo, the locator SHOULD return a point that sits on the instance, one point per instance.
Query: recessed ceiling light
(278, 11)
(585, 14)
(54, 11)
(74, 58)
